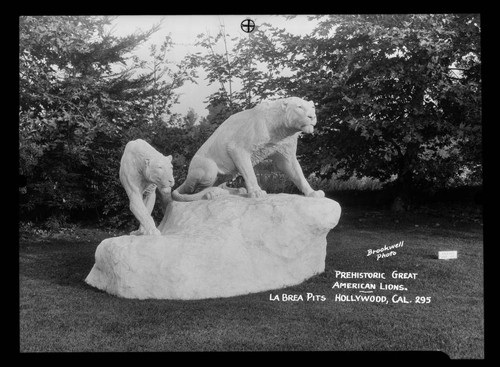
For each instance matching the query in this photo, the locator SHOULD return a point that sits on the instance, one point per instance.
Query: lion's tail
(177, 196)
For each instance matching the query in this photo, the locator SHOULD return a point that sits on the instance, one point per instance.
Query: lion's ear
(284, 104)
(169, 157)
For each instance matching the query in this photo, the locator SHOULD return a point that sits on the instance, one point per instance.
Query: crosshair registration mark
(248, 25)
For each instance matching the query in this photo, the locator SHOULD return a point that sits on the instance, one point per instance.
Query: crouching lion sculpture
(143, 170)
(269, 130)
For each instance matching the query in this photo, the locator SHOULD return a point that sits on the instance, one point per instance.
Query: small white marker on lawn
(446, 255)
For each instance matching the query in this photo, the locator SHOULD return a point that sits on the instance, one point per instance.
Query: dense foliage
(398, 97)
(82, 97)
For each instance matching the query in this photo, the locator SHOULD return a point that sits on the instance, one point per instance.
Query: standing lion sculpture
(143, 170)
(269, 130)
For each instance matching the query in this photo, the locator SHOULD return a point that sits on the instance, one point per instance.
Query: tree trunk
(401, 201)
(404, 182)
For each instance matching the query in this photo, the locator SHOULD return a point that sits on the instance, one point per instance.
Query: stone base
(220, 248)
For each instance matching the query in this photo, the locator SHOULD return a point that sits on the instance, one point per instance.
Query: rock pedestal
(224, 247)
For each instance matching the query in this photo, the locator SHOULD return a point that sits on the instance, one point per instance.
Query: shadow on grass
(64, 262)
(60, 312)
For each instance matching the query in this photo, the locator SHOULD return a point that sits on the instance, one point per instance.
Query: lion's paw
(215, 193)
(257, 193)
(152, 232)
(316, 194)
(242, 191)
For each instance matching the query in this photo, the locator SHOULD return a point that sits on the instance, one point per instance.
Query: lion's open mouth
(308, 129)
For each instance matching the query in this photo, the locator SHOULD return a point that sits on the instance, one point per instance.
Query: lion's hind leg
(202, 174)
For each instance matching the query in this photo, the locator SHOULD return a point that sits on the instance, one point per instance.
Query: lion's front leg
(243, 163)
(290, 166)
(149, 202)
(140, 212)
(166, 197)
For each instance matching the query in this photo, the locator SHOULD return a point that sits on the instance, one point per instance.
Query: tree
(190, 118)
(235, 69)
(396, 94)
(163, 81)
(82, 97)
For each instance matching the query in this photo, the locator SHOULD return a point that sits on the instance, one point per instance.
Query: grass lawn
(59, 312)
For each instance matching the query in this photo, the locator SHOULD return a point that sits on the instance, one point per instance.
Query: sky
(183, 29)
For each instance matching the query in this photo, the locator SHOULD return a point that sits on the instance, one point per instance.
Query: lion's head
(159, 170)
(300, 114)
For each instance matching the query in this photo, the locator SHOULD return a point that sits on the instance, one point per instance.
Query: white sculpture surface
(224, 247)
(269, 130)
(232, 244)
(143, 170)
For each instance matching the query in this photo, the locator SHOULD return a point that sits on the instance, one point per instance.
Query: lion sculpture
(143, 170)
(269, 130)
